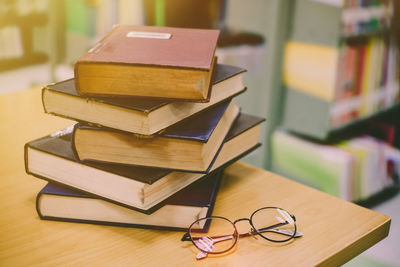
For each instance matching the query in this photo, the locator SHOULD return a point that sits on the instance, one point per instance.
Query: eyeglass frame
(187, 236)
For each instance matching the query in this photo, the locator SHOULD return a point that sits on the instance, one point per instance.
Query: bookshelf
(32, 42)
(18, 24)
(341, 80)
(346, 70)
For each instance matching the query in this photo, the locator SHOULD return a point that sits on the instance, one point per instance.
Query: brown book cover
(149, 61)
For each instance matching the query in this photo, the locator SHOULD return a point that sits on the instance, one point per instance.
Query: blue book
(139, 188)
(55, 202)
(191, 145)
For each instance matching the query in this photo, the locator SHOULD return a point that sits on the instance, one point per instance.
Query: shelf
(370, 202)
(23, 27)
(310, 117)
(347, 130)
(31, 19)
(379, 197)
(32, 59)
(362, 37)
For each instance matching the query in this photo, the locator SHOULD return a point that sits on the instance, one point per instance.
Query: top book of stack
(151, 62)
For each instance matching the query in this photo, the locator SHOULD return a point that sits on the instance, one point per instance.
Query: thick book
(144, 189)
(191, 145)
(311, 69)
(324, 167)
(55, 202)
(137, 115)
(353, 170)
(149, 61)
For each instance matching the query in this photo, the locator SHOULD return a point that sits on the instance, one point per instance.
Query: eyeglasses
(271, 223)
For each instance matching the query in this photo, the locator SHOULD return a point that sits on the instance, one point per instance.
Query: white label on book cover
(153, 35)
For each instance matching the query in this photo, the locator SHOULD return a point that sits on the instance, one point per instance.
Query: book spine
(129, 225)
(26, 160)
(107, 223)
(37, 205)
(42, 98)
(215, 193)
(73, 144)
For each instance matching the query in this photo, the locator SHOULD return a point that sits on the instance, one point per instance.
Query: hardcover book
(137, 115)
(58, 203)
(190, 145)
(144, 189)
(149, 61)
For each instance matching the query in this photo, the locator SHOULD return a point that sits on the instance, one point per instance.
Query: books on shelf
(324, 167)
(339, 73)
(372, 161)
(58, 203)
(354, 169)
(142, 116)
(191, 145)
(311, 69)
(348, 77)
(144, 189)
(365, 17)
(338, 19)
(149, 61)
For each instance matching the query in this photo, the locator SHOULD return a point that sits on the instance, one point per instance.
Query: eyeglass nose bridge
(251, 232)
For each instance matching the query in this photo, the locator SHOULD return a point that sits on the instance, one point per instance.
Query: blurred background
(324, 73)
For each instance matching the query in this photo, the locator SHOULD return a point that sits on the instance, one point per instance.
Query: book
(372, 158)
(324, 167)
(144, 189)
(190, 145)
(58, 203)
(354, 169)
(137, 115)
(311, 69)
(150, 61)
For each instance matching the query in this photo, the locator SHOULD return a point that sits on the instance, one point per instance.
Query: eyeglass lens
(221, 236)
(274, 224)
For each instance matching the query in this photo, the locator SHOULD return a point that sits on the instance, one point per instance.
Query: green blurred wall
(264, 95)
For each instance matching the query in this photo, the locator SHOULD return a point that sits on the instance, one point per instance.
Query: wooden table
(334, 230)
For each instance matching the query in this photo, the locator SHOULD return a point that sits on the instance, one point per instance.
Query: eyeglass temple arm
(186, 237)
(265, 229)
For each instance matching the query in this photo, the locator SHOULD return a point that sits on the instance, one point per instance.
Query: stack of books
(157, 124)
